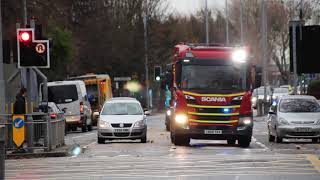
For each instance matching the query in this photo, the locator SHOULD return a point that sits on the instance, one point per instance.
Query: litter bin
(2, 151)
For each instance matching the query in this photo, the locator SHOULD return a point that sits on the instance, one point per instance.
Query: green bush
(314, 89)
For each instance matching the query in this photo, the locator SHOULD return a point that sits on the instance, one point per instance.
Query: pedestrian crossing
(173, 165)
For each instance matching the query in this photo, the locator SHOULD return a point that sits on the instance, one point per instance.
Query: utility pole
(25, 17)
(241, 22)
(207, 22)
(2, 105)
(264, 49)
(145, 22)
(2, 81)
(227, 23)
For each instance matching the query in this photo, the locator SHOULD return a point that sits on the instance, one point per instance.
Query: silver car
(122, 118)
(294, 116)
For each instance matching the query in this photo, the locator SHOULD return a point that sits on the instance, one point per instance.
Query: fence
(41, 132)
(2, 152)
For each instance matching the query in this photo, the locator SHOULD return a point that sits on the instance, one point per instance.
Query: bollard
(2, 152)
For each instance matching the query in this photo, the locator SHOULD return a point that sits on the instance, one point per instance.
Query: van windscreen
(62, 94)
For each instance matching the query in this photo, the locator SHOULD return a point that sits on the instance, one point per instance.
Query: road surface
(159, 159)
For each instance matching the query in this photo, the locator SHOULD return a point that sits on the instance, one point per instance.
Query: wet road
(159, 159)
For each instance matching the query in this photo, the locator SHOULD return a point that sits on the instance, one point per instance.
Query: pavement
(159, 159)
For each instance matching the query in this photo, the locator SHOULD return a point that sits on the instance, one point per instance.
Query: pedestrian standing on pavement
(20, 103)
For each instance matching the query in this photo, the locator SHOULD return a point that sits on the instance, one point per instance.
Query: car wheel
(84, 128)
(231, 141)
(244, 141)
(315, 140)
(101, 140)
(89, 127)
(278, 139)
(144, 139)
(271, 138)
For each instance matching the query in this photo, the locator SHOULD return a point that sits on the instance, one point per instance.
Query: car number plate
(212, 131)
(303, 129)
(121, 130)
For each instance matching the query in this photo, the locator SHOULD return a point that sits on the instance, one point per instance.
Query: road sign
(40, 48)
(18, 129)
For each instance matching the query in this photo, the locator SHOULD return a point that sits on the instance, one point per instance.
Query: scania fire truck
(211, 94)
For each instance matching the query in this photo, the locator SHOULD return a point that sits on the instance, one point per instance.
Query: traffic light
(157, 73)
(31, 52)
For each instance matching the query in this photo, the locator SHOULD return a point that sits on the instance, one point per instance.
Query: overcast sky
(191, 6)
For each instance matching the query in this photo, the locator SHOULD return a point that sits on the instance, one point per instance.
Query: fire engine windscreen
(222, 77)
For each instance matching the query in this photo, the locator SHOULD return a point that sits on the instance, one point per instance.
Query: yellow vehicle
(99, 90)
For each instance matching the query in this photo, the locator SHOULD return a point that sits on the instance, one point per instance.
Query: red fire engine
(211, 92)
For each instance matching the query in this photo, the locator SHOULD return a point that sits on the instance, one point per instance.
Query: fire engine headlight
(245, 121)
(240, 56)
(181, 118)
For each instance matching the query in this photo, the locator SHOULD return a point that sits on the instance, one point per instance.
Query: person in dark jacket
(20, 103)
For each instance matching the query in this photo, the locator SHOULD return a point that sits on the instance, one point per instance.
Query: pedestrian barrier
(32, 131)
(2, 151)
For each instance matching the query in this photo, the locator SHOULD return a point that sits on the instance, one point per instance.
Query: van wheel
(84, 128)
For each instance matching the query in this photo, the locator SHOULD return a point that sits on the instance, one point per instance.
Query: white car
(122, 118)
(294, 116)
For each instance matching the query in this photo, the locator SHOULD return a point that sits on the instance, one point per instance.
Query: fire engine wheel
(244, 141)
(181, 141)
(231, 141)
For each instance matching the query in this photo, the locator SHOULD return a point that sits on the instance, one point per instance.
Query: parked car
(258, 94)
(279, 92)
(71, 97)
(54, 111)
(294, 116)
(122, 118)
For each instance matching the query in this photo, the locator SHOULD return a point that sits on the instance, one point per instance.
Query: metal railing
(41, 132)
(2, 151)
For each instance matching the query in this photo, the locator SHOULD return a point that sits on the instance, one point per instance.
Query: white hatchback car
(122, 118)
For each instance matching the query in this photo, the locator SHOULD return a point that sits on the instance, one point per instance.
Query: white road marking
(259, 143)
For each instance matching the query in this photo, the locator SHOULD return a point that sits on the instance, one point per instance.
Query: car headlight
(103, 124)
(181, 118)
(140, 124)
(283, 121)
(245, 120)
(168, 112)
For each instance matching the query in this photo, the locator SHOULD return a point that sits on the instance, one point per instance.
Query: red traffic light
(25, 36)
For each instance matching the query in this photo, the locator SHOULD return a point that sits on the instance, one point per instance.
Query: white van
(71, 97)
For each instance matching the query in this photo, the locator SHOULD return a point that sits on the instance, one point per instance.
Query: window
(299, 105)
(122, 109)
(62, 94)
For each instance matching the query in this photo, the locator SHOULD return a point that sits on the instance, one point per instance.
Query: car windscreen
(299, 105)
(122, 109)
(62, 94)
